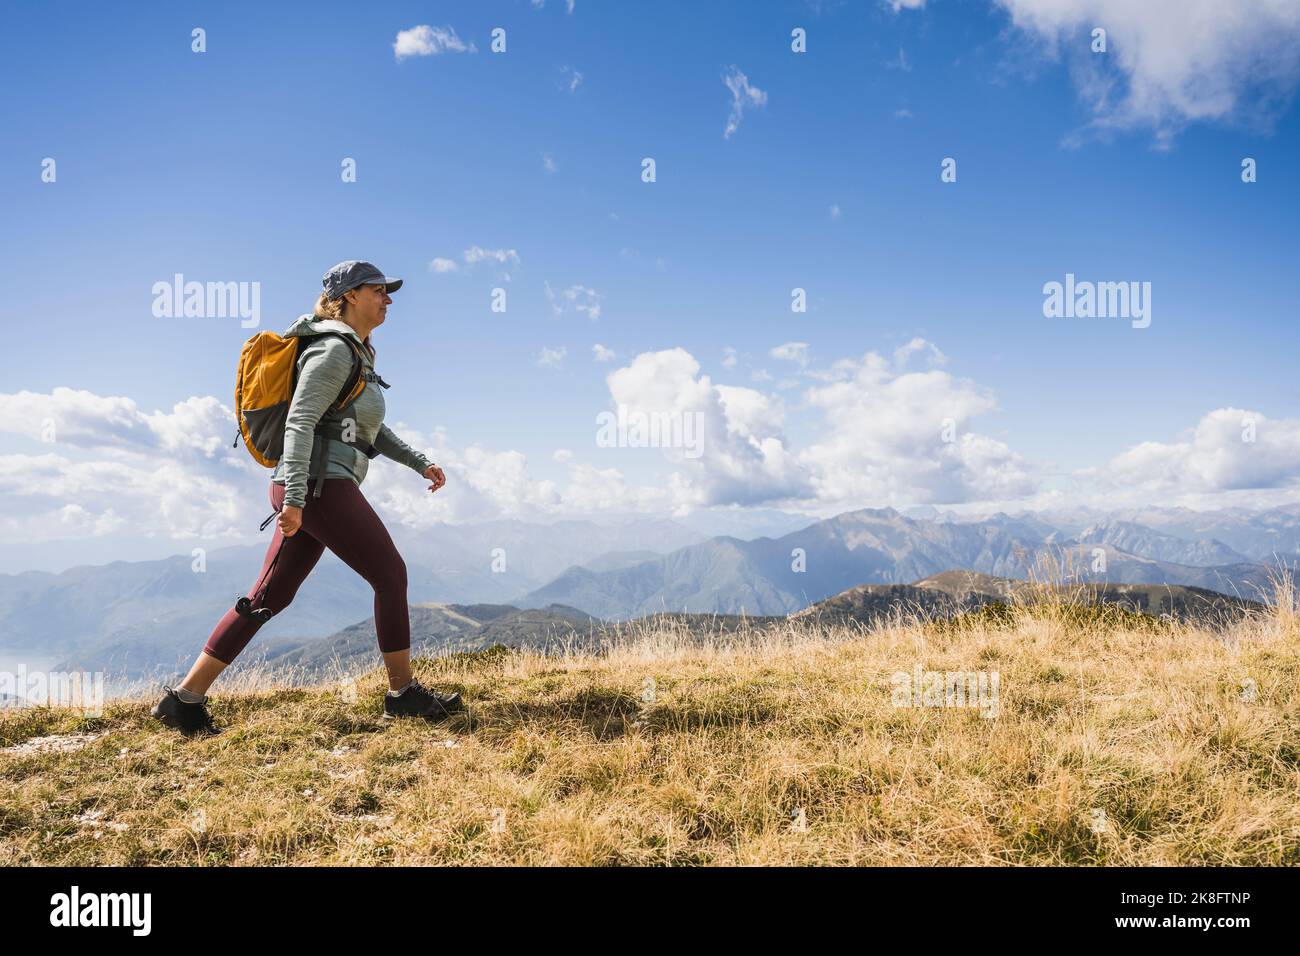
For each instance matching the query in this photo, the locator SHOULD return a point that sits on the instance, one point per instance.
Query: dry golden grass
(1113, 744)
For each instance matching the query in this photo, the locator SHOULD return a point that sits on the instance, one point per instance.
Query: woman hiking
(330, 448)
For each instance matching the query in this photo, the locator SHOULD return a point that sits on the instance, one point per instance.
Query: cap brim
(389, 283)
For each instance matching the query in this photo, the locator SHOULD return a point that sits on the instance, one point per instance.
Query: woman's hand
(290, 520)
(434, 474)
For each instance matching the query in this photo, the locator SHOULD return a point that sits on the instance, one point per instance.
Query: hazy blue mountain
(862, 547)
(493, 560)
(612, 560)
(744, 523)
(777, 576)
(1257, 535)
(436, 629)
(1147, 542)
(134, 616)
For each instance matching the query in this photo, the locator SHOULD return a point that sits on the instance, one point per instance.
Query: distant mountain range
(1259, 535)
(786, 574)
(133, 617)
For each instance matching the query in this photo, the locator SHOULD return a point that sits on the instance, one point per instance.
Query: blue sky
(225, 166)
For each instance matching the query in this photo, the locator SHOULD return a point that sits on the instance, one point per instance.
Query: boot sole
(440, 713)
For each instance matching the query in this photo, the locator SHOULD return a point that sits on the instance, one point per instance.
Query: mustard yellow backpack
(264, 384)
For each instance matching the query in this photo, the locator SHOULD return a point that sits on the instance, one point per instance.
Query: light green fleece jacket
(323, 370)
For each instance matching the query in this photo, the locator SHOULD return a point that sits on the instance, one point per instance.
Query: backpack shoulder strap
(357, 364)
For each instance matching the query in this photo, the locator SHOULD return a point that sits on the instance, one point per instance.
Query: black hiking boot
(190, 719)
(419, 701)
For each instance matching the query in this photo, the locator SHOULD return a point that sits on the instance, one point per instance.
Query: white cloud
(791, 352)
(110, 467)
(602, 354)
(80, 419)
(1172, 62)
(743, 457)
(576, 298)
(918, 346)
(425, 40)
(835, 211)
(503, 256)
(551, 357)
(898, 5)
(506, 259)
(743, 95)
(483, 485)
(548, 163)
(728, 357)
(885, 436)
(1215, 457)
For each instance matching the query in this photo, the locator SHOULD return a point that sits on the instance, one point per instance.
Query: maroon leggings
(342, 520)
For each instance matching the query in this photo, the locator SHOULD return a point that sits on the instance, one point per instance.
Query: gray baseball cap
(352, 273)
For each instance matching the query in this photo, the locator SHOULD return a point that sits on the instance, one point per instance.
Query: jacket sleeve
(390, 446)
(326, 366)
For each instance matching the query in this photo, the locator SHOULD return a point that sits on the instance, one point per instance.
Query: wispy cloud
(634, 255)
(506, 259)
(796, 352)
(576, 298)
(503, 256)
(425, 40)
(572, 79)
(743, 96)
(551, 357)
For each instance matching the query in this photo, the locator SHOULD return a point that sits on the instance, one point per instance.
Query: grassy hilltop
(1118, 739)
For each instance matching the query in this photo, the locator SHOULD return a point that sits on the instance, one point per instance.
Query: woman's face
(368, 304)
